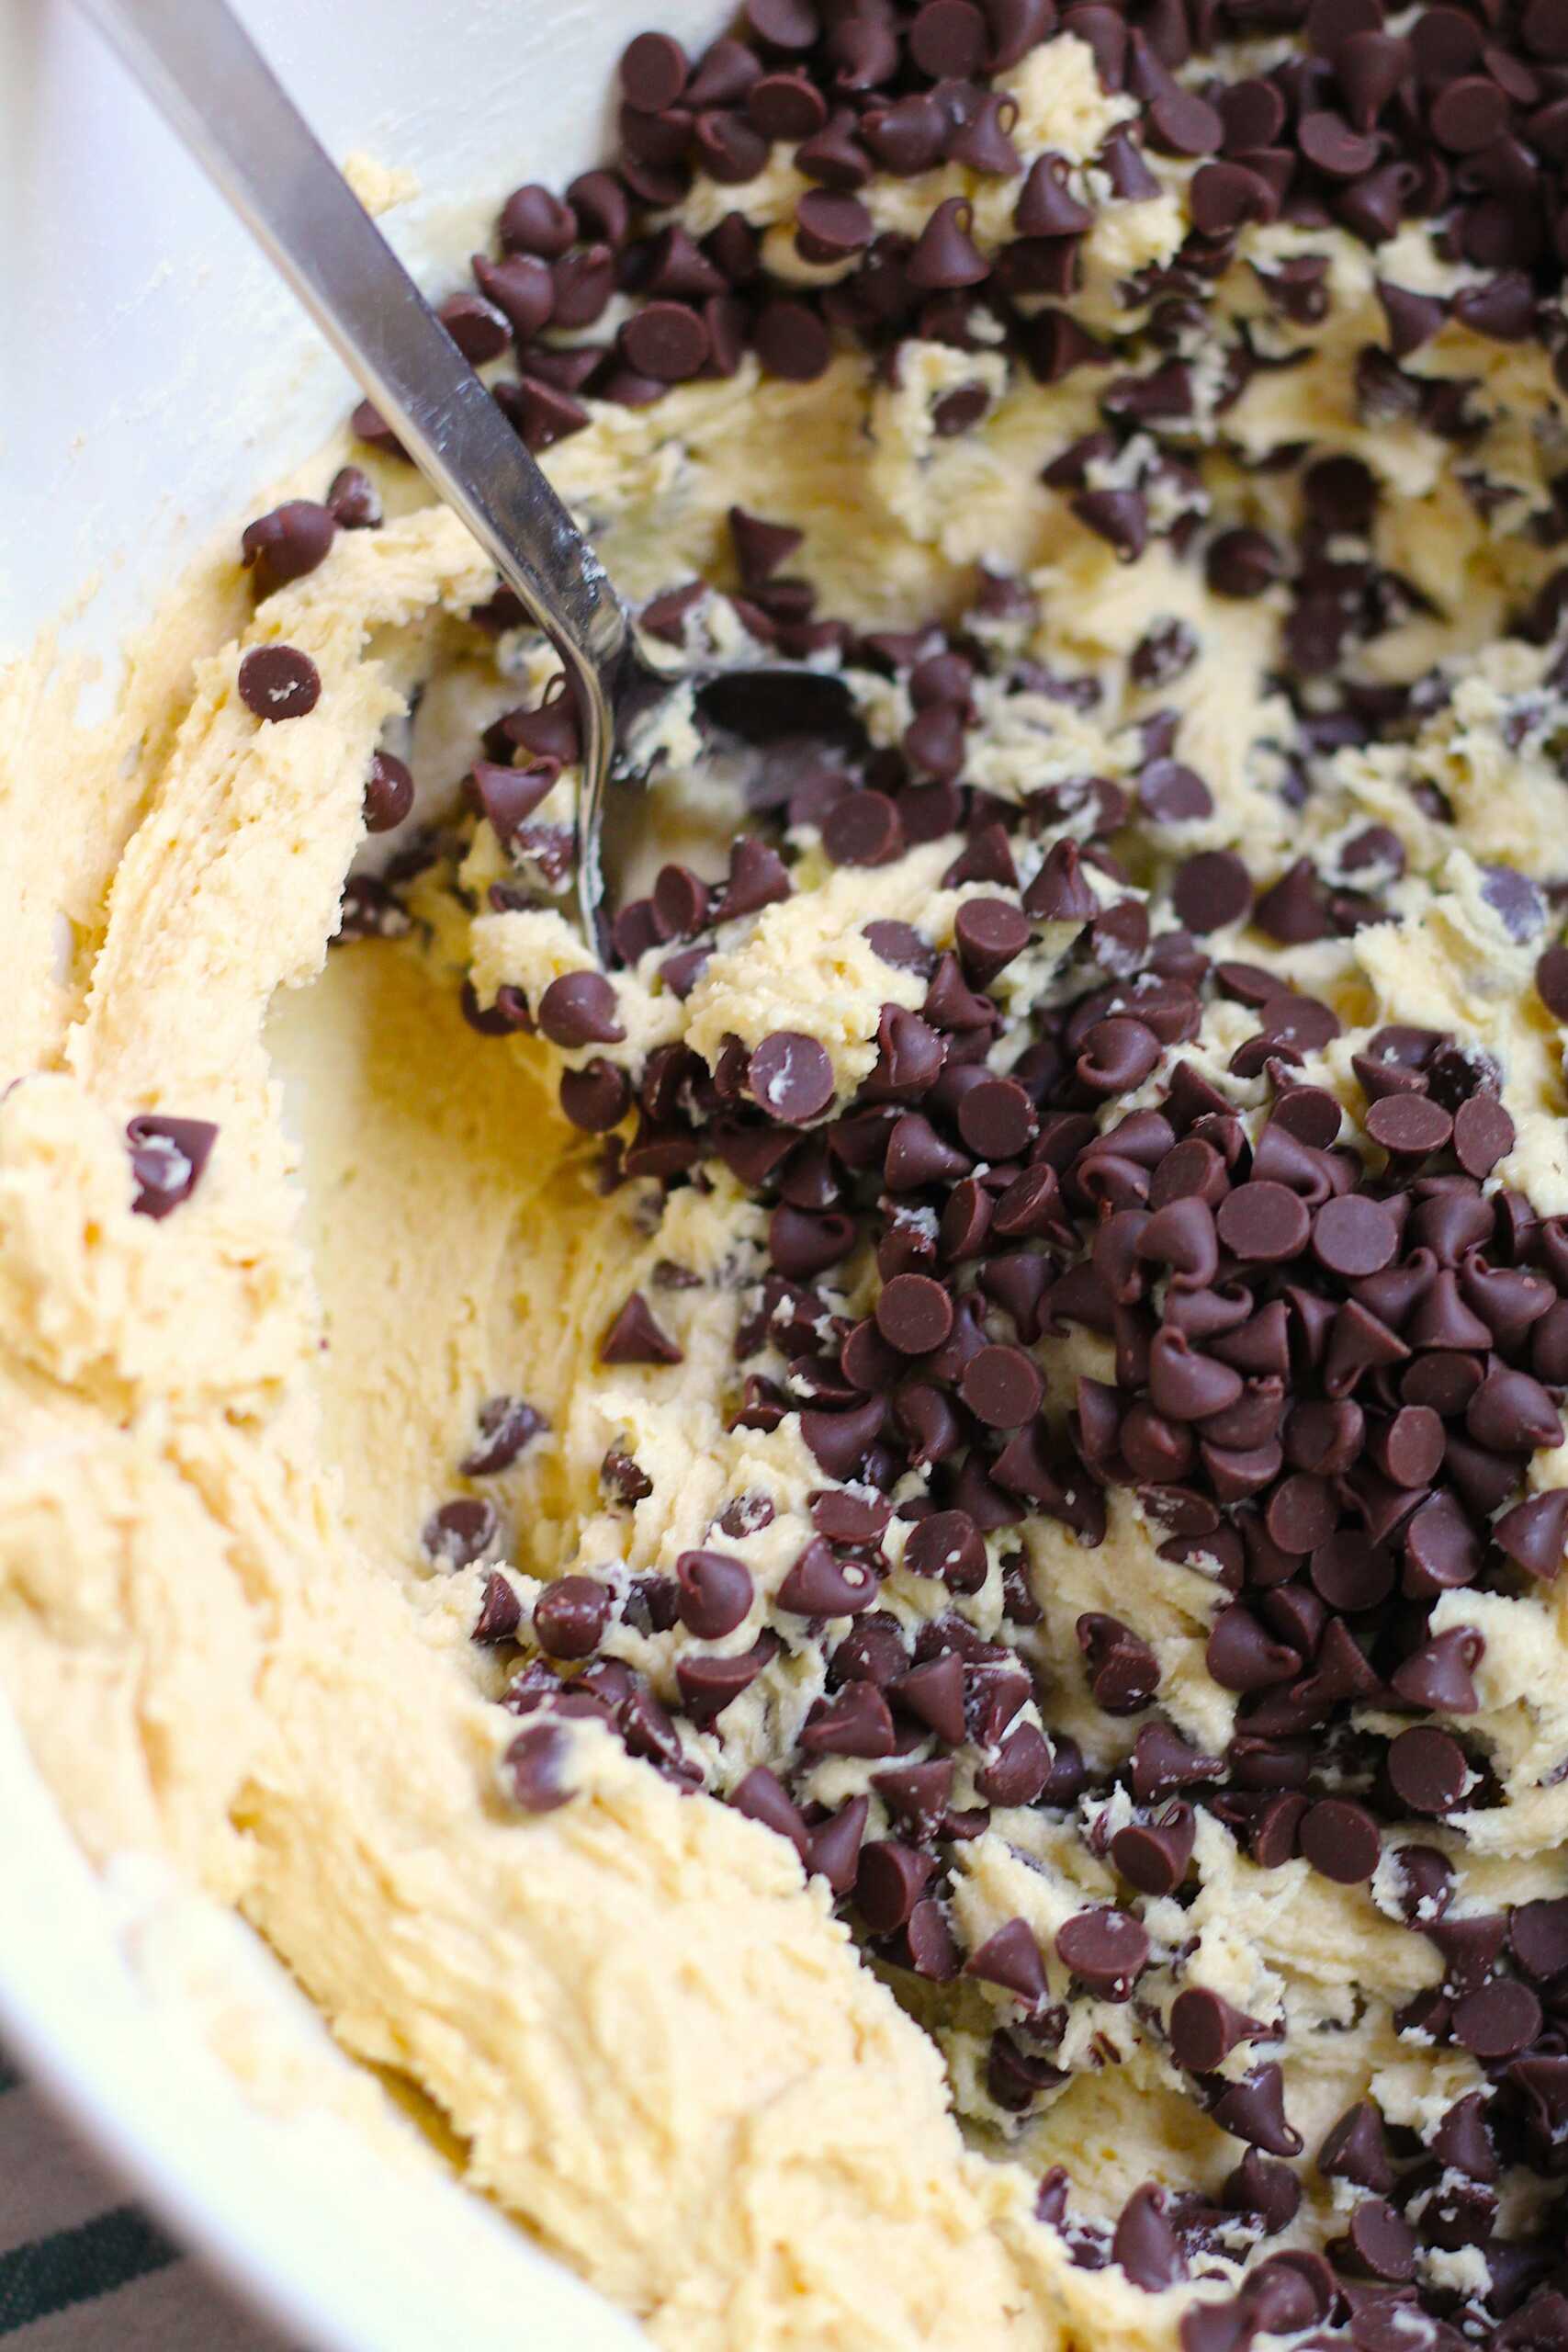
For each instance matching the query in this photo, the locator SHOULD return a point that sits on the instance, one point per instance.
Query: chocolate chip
(622, 1477)
(1204, 2028)
(501, 1614)
(1153, 1856)
(791, 340)
(1242, 563)
(1515, 898)
(506, 1424)
(653, 72)
(762, 1796)
(819, 1585)
(579, 1009)
(1240, 1655)
(1059, 892)
(856, 1723)
(844, 1517)
(533, 1766)
(833, 1848)
(354, 501)
(1178, 122)
(1225, 196)
(995, 1119)
(1512, 1413)
(1535, 1532)
(1270, 2191)
(509, 796)
(990, 934)
(934, 1691)
(1173, 795)
(1537, 1934)
(863, 829)
(1409, 1448)
(945, 255)
(801, 1244)
(757, 878)
(716, 1593)
(595, 1098)
(791, 1076)
(1002, 1386)
(1330, 144)
(1211, 890)
(1046, 206)
(1146, 2243)
(570, 1615)
(1117, 1056)
(1163, 1761)
(1022, 1769)
(389, 793)
(1497, 2021)
(368, 423)
(1409, 1126)
(287, 543)
(535, 220)
(279, 682)
(1291, 912)
(1428, 1770)
(1107, 1949)
(914, 1313)
(1482, 1135)
(1272, 1834)
(1340, 1841)
(635, 1337)
(665, 341)
(481, 331)
(458, 1533)
(1121, 517)
(1379, 2242)
(168, 1157)
(1263, 1224)
(1010, 1958)
(889, 1881)
(948, 40)
(1254, 2110)
(917, 1156)
(1551, 981)
(1164, 652)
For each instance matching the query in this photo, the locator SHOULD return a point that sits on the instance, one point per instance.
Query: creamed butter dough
(1068, 1232)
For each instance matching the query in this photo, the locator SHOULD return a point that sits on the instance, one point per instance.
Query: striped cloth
(83, 2270)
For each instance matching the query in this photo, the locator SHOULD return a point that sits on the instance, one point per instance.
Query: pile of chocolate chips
(1332, 1363)
(1328, 1385)
(1460, 118)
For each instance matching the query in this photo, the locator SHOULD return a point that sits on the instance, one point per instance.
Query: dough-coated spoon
(201, 69)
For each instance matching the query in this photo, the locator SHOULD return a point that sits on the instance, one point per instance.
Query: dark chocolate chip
(1428, 1770)
(506, 1424)
(535, 1767)
(635, 1337)
(168, 1156)
(570, 1615)
(1106, 1949)
(287, 543)
(279, 682)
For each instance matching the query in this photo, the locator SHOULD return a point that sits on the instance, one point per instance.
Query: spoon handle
(197, 63)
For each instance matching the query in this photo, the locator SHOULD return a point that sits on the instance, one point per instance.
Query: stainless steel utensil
(201, 67)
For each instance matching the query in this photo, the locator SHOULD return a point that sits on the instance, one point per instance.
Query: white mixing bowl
(153, 376)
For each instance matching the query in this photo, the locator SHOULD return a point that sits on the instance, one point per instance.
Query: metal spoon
(202, 70)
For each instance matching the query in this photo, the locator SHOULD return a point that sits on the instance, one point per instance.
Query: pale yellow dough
(219, 1434)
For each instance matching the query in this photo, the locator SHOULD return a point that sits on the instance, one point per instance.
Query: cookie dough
(871, 1572)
